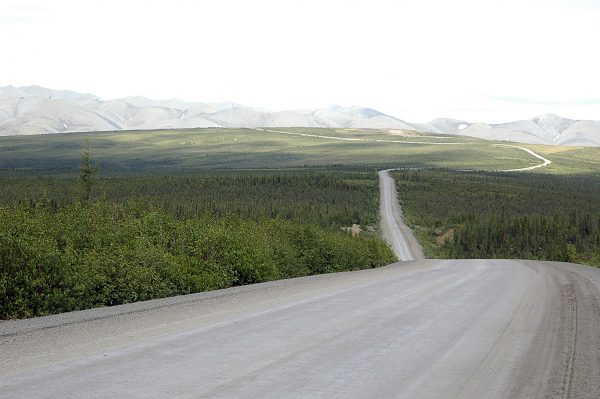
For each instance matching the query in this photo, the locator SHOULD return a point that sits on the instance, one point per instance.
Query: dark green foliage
(58, 255)
(78, 257)
(86, 173)
(492, 215)
(323, 198)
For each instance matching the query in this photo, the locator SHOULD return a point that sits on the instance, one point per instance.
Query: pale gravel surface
(393, 230)
(425, 329)
(546, 162)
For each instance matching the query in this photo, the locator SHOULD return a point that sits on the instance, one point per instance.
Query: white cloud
(414, 59)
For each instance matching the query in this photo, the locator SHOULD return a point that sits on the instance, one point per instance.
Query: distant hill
(544, 129)
(38, 110)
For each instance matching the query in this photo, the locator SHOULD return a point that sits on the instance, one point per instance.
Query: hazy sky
(477, 60)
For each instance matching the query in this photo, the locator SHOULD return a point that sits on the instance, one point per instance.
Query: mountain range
(38, 110)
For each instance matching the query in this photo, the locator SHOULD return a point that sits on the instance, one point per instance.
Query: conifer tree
(87, 173)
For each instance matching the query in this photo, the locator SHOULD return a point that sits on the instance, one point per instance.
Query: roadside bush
(74, 256)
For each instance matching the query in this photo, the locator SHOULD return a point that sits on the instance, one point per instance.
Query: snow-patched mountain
(443, 125)
(358, 117)
(35, 110)
(38, 110)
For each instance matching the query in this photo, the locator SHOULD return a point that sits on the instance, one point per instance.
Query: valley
(300, 199)
(223, 215)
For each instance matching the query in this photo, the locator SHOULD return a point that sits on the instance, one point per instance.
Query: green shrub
(69, 257)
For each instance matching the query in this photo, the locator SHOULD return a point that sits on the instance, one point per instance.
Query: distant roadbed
(394, 232)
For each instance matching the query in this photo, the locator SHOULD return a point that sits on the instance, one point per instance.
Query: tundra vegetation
(168, 152)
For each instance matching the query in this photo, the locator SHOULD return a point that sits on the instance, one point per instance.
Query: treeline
(75, 257)
(502, 215)
(318, 197)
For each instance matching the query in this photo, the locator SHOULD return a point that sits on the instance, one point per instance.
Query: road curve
(393, 230)
(546, 162)
(425, 329)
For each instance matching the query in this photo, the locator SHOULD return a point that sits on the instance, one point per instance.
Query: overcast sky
(476, 60)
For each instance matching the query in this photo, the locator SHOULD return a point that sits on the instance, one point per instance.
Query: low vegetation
(503, 215)
(139, 238)
(176, 151)
(77, 257)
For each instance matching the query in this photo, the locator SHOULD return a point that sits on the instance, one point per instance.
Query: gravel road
(393, 230)
(424, 329)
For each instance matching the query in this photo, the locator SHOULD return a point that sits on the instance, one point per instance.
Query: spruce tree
(87, 173)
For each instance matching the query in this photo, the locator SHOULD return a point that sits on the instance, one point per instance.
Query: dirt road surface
(425, 329)
(393, 230)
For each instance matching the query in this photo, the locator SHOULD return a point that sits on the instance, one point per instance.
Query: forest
(503, 215)
(69, 244)
(322, 197)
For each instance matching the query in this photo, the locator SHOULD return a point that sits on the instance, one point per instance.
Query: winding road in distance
(417, 329)
(546, 162)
